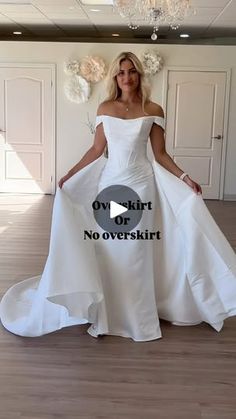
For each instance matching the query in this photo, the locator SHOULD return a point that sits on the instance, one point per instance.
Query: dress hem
(92, 333)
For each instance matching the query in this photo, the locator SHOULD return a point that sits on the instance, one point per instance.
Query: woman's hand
(195, 186)
(63, 180)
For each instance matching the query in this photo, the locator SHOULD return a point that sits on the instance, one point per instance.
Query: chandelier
(154, 12)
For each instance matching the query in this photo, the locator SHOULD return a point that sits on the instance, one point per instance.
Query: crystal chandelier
(154, 12)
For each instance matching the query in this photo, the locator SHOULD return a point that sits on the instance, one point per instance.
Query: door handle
(2, 130)
(218, 137)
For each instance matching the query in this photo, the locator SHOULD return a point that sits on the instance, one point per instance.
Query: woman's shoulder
(154, 109)
(105, 107)
(109, 107)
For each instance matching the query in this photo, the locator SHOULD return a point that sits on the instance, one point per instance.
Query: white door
(27, 155)
(195, 125)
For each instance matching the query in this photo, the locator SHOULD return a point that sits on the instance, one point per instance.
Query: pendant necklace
(126, 107)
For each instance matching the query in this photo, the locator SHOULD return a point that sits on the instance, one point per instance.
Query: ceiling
(74, 21)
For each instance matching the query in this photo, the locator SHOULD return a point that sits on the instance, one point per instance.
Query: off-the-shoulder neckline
(131, 119)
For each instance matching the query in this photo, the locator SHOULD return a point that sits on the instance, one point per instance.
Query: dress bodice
(127, 138)
(127, 148)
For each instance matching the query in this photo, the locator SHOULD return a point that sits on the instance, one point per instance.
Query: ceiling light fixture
(184, 35)
(17, 33)
(154, 12)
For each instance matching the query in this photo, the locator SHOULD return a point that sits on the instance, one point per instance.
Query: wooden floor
(189, 374)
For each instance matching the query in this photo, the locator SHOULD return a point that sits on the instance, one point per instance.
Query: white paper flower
(77, 89)
(152, 62)
(72, 67)
(93, 69)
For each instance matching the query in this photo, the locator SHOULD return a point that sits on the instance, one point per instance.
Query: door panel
(26, 130)
(195, 109)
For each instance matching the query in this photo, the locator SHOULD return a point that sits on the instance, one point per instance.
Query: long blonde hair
(114, 92)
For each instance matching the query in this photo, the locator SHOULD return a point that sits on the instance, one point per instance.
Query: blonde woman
(164, 258)
(128, 98)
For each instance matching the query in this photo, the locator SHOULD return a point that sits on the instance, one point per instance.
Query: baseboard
(229, 197)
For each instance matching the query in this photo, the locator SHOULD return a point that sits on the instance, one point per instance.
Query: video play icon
(116, 209)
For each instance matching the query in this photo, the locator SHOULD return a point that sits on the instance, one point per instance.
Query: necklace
(126, 107)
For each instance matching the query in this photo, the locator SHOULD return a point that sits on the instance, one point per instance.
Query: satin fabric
(124, 287)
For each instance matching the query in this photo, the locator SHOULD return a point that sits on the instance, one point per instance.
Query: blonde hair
(114, 92)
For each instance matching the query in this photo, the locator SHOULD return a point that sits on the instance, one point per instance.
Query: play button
(117, 208)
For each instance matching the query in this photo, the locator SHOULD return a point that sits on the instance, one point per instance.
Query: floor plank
(189, 374)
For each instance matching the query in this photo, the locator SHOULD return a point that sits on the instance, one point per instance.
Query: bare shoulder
(154, 109)
(105, 107)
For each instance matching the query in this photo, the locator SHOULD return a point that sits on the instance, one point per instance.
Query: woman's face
(128, 77)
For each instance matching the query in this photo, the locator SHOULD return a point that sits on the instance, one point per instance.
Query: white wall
(73, 137)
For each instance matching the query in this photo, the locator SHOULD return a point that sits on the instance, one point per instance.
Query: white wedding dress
(123, 287)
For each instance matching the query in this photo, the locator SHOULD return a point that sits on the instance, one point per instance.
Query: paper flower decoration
(77, 89)
(93, 69)
(72, 67)
(152, 62)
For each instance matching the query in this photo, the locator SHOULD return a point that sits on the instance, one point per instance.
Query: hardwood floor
(189, 374)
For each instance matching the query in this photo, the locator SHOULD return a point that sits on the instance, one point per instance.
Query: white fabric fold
(187, 277)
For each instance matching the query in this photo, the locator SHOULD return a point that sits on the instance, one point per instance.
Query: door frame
(227, 71)
(52, 67)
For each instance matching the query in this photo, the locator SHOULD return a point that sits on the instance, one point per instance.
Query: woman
(129, 98)
(120, 279)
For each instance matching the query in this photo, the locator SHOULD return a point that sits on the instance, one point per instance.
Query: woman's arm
(92, 154)
(162, 157)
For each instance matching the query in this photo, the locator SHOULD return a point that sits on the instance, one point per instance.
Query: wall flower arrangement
(152, 62)
(93, 69)
(77, 89)
(81, 74)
